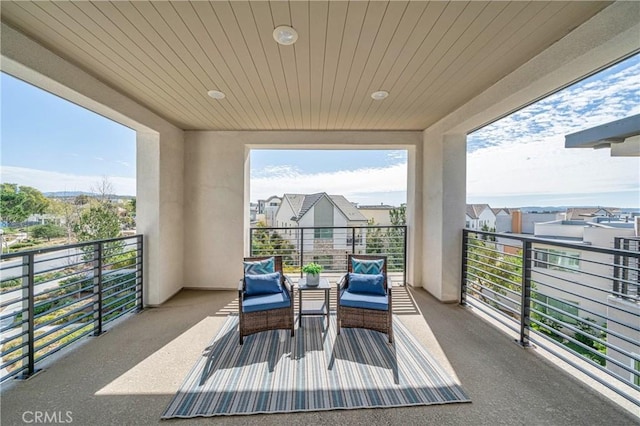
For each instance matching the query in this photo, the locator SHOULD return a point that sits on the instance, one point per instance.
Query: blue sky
(53, 145)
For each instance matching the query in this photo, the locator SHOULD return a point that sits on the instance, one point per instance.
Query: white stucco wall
(216, 183)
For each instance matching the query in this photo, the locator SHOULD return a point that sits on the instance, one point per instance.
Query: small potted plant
(313, 273)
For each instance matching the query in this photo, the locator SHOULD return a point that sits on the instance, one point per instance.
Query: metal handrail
(352, 240)
(51, 302)
(549, 305)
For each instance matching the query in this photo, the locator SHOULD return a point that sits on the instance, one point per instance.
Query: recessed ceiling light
(216, 94)
(379, 95)
(285, 35)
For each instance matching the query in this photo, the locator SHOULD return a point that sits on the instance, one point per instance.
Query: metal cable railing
(52, 297)
(329, 246)
(579, 302)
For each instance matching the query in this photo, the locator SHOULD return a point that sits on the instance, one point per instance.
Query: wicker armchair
(360, 313)
(265, 312)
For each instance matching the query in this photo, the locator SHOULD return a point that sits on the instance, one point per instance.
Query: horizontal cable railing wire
(579, 302)
(52, 297)
(330, 246)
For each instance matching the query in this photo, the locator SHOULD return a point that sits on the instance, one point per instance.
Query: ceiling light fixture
(379, 95)
(285, 35)
(216, 94)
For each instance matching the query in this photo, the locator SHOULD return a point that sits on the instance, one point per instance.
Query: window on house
(557, 260)
(323, 233)
(560, 308)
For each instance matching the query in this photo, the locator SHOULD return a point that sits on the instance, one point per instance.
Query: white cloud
(47, 181)
(353, 184)
(523, 154)
(546, 167)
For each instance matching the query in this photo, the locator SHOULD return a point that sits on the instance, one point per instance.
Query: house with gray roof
(479, 215)
(324, 213)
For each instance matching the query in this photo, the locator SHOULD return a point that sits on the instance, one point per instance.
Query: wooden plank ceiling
(432, 57)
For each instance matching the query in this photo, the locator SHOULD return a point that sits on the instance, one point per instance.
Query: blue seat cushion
(257, 267)
(364, 301)
(366, 284)
(364, 266)
(265, 302)
(262, 284)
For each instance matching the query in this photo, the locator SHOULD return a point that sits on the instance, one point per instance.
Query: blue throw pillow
(361, 266)
(262, 284)
(366, 284)
(258, 267)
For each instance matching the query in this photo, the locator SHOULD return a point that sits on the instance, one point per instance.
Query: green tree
(48, 231)
(375, 240)
(98, 222)
(265, 243)
(67, 212)
(17, 203)
(128, 219)
(396, 238)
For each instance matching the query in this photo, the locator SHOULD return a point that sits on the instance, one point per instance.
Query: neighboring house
(504, 218)
(586, 213)
(518, 222)
(556, 269)
(253, 212)
(378, 214)
(268, 208)
(479, 216)
(318, 211)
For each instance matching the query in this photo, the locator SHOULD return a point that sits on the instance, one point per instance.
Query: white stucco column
(214, 209)
(159, 212)
(444, 200)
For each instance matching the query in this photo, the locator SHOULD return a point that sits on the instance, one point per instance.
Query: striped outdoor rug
(274, 373)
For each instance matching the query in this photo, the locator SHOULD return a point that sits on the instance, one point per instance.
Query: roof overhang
(622, 136)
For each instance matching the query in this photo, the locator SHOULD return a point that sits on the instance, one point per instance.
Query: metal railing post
(404, 255)
(353, 240)
(251, 242)
(301, 250)
(28, 302)
(97, 289)
(140, 273)
(616, 266)
(463, 276)
(525, 299)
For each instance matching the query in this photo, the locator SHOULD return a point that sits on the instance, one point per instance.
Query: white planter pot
(313, 280)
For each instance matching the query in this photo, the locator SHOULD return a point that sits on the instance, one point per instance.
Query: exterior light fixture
(285, 35)
(379, 95)
(216, 94)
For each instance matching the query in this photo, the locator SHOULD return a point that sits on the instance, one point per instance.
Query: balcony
(193, 178)
(129, 374)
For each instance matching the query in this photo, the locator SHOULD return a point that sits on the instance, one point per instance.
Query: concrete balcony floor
(129, 375)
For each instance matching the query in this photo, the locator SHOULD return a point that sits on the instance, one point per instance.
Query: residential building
(269, 208)
(377, 214)
(479, 216)
(555, 270)
(318, 211)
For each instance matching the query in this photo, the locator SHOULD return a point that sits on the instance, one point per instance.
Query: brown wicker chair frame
(372, 319)
(273, 319)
